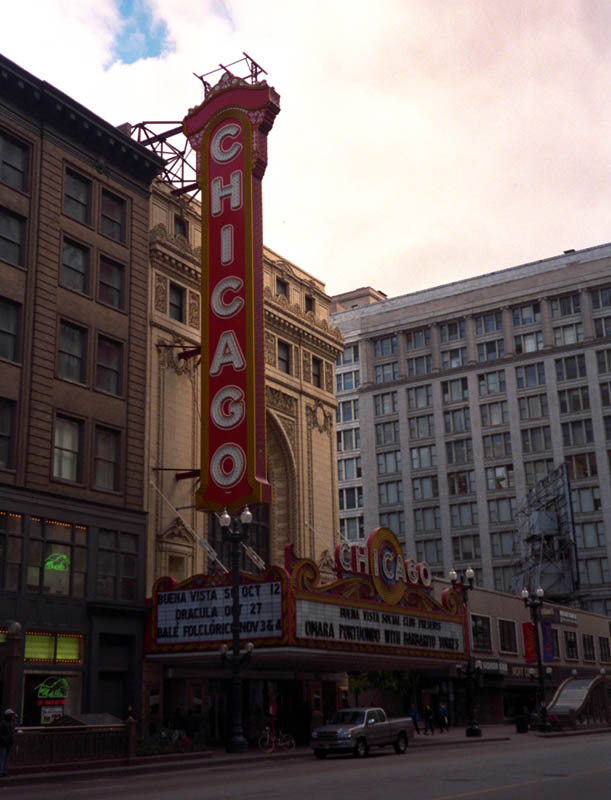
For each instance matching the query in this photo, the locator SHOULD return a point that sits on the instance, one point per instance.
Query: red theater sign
(229, 135)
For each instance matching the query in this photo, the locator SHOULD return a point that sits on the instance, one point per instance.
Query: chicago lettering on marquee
(229, 135)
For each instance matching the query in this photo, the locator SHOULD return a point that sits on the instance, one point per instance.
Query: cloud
(418, 143)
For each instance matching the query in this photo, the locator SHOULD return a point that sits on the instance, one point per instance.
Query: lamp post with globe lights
(534, 606)
(235, 531)
(465, 583)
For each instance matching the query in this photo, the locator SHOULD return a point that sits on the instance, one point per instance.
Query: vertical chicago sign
(228, 132)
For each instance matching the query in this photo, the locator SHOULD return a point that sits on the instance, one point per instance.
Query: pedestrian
(442, 718)
(428, 721)
(415, 717)
(6, 738)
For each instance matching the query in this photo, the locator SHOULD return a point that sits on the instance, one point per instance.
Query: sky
(420, 141)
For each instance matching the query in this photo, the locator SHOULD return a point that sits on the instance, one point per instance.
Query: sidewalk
(218, 757)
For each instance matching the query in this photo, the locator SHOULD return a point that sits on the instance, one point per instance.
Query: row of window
(50, 557)
(284, 364)
(508, 641)
(71, 447)
(283, 290)
(492, 322)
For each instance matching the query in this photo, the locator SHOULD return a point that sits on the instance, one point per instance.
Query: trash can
(522, 724)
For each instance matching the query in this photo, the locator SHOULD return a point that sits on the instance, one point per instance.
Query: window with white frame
(417, 339)
(390, 493)
(508, 641)
(67, 449)
(536, 440)
(601, 298)
(593, 571)
(461, 483)
(351, 497)
(602, 326)
(383, 373)
(571, 367)
(425, 488)
(491, 350)
(587, 643)
(502, 510)
(488, 323)
(491, 382)
(586, 499)
(500, 478)
(462, 515)
(458, 420)
(526, 314)
(466, 547)
(456, 357)
(603, 648)
(349, 439)
(348, 469)
(429, 550)
(427, 518)
(565, 306)
(348, 381)
(497, 445)
(452, 331)
(530, 375)
(395, 520)
(570, 645)
(504, 544)
(423, 457)
(349, 356)
(480, 632)
(422, 427)
(455, 391)
(605, 394)
(590, 535)
(420, 396)
(603, 361)
(494, 414)
(534, 471)
(386, 403)
(351, 528)
(459, 451)
(419, 365)
(581, 465)
(568, 334)
(533, 406)
(385, 346)
(347, 410)
(387, 432)
(577, 432)
(389, 462)
(528, 342)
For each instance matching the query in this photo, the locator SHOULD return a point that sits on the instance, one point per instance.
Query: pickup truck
(357, 730)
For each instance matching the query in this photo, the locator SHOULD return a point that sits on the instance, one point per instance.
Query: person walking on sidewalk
(414, 716)
(428, 721)
(442, 718)
(6, 738)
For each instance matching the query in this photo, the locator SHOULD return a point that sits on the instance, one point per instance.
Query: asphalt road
(526, 767)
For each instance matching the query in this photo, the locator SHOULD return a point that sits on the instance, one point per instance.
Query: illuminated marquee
(229, 134)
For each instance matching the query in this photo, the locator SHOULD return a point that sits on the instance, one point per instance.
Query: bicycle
(269, 741)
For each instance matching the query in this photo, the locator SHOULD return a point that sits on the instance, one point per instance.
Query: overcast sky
(419, 141)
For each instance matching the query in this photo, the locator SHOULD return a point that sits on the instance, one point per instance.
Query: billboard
(228, 132)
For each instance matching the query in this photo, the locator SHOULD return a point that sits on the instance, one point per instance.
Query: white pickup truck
(357, 730)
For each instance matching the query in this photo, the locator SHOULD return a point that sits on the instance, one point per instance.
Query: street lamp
(534, 605)
(235, 531)
(465, 583)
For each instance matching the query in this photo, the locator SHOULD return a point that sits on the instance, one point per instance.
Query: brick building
(74, 226)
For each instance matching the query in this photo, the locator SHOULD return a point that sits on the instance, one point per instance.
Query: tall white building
(454, 401)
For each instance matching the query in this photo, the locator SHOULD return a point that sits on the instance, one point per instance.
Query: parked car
(357, 730)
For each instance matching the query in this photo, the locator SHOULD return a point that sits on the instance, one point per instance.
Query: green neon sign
(52, 688)
(58, 561)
